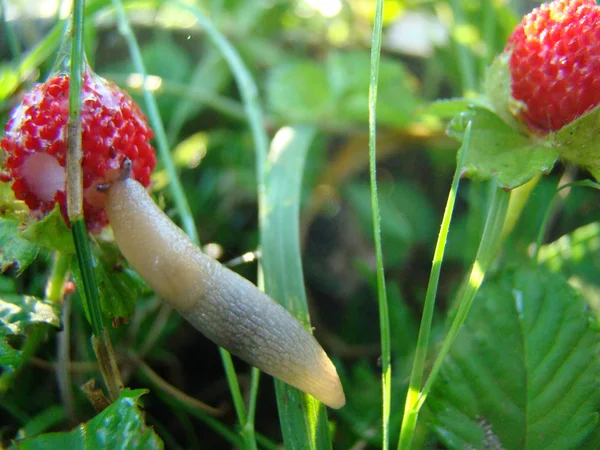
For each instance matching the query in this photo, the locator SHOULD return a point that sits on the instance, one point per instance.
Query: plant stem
(248, 429)
(418, 368)
(101, 340)
(56, 283)
(171, 390)
(384, 317)
(488, 246)
(74, 151)
(518, 200)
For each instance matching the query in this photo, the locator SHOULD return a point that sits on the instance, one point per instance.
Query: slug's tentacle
(224, 306)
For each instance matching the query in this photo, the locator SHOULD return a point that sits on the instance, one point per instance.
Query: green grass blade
(384, 317)
(411, 411)
(303, 419)
(490, 241)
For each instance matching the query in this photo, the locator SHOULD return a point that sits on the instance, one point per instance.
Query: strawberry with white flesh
(35, 143)
(117, 164)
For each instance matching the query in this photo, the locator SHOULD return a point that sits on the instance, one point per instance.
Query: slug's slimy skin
(225, 307)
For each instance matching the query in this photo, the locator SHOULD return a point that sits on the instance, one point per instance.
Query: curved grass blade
(303, 419)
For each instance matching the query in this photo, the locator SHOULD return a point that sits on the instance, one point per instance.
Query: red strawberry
(35, 143)
(554, 64)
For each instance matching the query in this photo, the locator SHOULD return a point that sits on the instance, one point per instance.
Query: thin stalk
(234, 386)
(56, 283)
(518, 200)
(252, 401)
(485, 255)
(179, 198)
(171, 390)
(63, 359)
(55, 294)
(101, 339)
(418, 368)
(384, 316)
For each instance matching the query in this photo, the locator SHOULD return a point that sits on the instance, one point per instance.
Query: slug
(222, 305)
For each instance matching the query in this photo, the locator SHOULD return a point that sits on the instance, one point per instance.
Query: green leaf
(524, 370)
(51, 232)
(577, 142)
(497, 150)
(13, 248)
(303, 419)
(9, 357)
(119, 286)
(120, 426)
(18, 313)
(498, 90)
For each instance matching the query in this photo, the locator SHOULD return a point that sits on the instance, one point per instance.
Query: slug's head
(35, 145)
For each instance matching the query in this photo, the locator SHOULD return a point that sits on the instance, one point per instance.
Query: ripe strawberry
(554, 64)
(35, 142)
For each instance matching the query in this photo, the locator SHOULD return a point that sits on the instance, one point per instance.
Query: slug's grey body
(224, 306)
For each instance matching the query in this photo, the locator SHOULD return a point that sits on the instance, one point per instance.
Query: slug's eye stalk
(35, 144)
